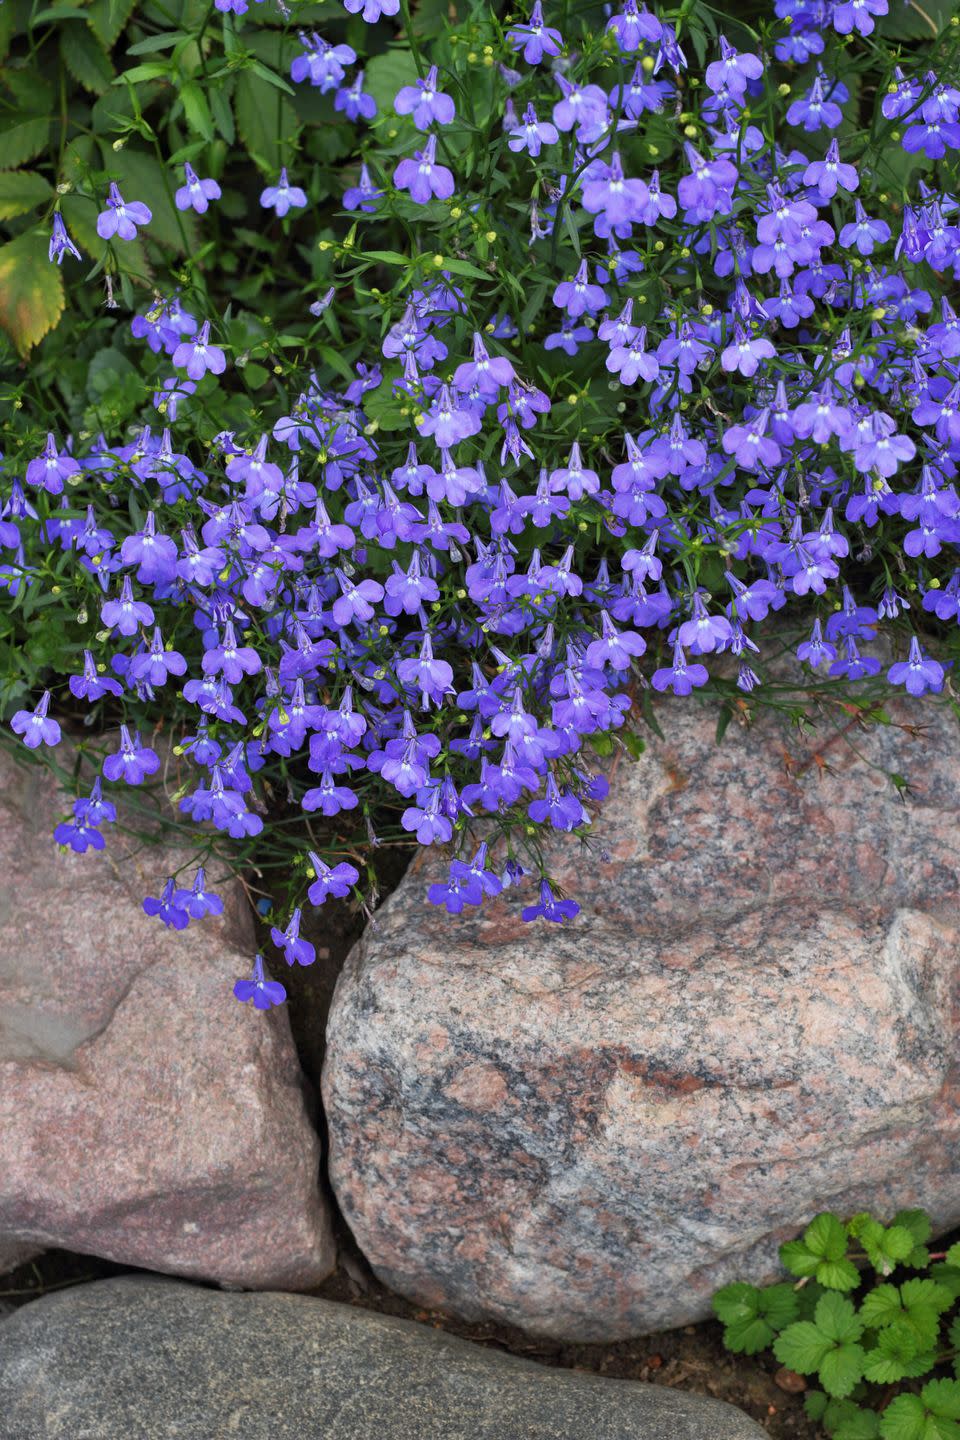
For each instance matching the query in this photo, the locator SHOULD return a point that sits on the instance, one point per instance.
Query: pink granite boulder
(585, 1131)
(145, 1116)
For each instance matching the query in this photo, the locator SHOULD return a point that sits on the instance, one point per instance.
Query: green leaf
(31, 290)
(463, 267)
(892, 1358)
(266, 121)
(196, 110)
(21, 191)
(881, 1306)
(903, 1419)
(836, 1318)
(953, 1255)
(22, 140)
(385, 74)
(826, 1236)
(942, 1397)
(840, 1369)
(738, 1301)
(801, 1347)
(86, 58)
(741, 1337)
(917, 20)
(917, 1222)
(864, 1425)
(108, 17)
(838, 1274)
(821, 1254)
(849, 1421)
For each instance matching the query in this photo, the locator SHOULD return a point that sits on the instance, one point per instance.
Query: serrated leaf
(863, 1425)
(801, 1347)
(838, 1274)
(31, 290)
(108, 17)
(953, 1256)
(847, 1418)
(778, 1305)
(22, 140)
(826, 1236)
(903, 1419)
(266, 122)
(798, 1259)
(881, 1306)
(21, 191)
(917, 1222)
(86, 58)
(927, 1293)
(738, 1301)
(836, 1318)
(840, 1369)
(891, 1359)
(942, 1397)
(747, 1336)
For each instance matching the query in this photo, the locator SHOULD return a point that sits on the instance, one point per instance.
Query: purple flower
(79, 835)
(550, 908)
(371, 10)
(198, 901)
(283, 196)
(167, 907)
(35, 726)
(733, 71)
(121, 219)
(133, 762)
(126, 614)
(198, 356)
(679, 677)
(534, 38)
(49, 470)
(261, 991)
(423, 177)
(917, 673)
(434, 678)
(336, 881)
(296, 950)
(322, 64)
(532, 134)
(829, 174)
(633, 26)
(196, 194)
(60, 242)
(354, 102)
(424, 103)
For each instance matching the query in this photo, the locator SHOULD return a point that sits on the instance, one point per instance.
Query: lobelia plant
(452, 430)
(873, 1313)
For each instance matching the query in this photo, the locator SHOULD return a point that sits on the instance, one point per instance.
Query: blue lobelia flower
(263, 992)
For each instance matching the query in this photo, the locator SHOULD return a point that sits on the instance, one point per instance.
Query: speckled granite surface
(145, 1359)
(586, 1131)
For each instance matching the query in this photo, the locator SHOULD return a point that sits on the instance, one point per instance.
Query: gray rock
(144, 1359)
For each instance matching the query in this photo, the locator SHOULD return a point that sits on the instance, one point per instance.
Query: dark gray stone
(144, 1359)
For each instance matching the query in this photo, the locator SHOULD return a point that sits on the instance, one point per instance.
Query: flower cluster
(436, 586)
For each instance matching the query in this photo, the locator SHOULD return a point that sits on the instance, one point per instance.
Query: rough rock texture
(149, 1359)
(145, 1116)
(585, 1131)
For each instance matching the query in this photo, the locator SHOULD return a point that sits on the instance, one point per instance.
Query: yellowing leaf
(31, 290)
(21, 191)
